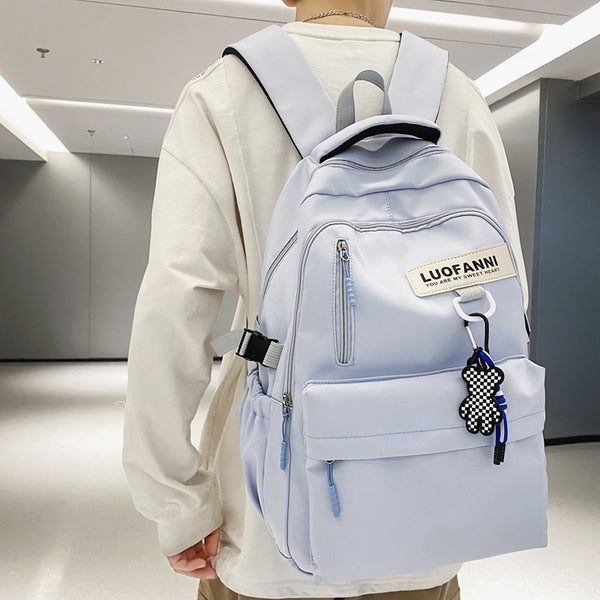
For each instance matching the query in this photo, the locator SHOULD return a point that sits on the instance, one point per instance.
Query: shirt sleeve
(194, 256)
(487, 156)
(471, 133)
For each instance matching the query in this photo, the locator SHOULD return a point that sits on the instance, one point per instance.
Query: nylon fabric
(278, 65)
(383, 410)
(344, 440)
(227, 342)
(471, 293)
(346, 109)
(308, 115)
(410, 91)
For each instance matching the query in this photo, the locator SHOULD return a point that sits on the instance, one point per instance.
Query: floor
(68, 529)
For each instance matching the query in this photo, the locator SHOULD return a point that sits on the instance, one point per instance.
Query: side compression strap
(251, 345)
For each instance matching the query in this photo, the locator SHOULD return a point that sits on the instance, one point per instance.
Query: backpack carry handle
(346, 106)
(382, 125)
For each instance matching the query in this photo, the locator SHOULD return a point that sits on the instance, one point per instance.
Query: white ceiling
(151, 48)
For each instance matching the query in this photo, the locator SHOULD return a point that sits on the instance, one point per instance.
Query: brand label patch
(465, 270)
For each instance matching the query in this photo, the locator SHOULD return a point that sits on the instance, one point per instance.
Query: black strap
(423, 132)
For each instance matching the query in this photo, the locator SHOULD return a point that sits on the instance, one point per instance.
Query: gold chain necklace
(331, 13)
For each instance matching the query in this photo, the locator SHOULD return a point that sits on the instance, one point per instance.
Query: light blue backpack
(369, 418)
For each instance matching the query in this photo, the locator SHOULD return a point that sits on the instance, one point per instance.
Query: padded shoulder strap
(302, 103)
(419, 76)
(291, 85)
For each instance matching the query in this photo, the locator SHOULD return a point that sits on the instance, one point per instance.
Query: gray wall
(566, 313)
(73, 246)
(121, 193)
(74, 236)
(551, 142)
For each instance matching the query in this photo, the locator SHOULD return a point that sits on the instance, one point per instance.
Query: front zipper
(405, 226)
(286, 409)
(333, 493)
(345, 302)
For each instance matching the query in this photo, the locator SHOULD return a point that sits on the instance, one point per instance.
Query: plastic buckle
(254, 346)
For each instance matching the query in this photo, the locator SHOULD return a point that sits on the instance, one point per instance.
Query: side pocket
(345, 303)
(254, 434)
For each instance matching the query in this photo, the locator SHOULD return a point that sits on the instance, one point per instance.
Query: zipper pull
(286, 409)
(333, 493)
(345, 257)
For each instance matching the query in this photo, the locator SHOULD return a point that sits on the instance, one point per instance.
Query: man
(224, 161)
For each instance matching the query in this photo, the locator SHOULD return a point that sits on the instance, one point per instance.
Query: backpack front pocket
(391, 465)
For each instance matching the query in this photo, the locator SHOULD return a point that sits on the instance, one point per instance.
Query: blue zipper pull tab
(286, 409)
(501, 436)
(333, 493)
(345, 257)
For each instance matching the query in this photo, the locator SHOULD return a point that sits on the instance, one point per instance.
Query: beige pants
(213, 589)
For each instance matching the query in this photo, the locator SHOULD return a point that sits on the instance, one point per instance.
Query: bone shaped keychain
(484, 409)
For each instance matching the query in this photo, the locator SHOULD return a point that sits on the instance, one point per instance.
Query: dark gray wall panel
(566, 315)
(121, 190)
(550, 138)
(44, 258)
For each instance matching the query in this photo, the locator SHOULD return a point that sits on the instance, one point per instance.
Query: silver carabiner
(471, 336)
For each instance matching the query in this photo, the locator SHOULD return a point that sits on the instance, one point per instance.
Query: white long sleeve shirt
(224, 161)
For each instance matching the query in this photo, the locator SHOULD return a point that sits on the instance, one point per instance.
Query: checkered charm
(480, 408)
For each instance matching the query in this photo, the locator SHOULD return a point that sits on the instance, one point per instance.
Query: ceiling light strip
(50, 103)
(270, 10)
(22, 122)
(555, 41)
(457, 21)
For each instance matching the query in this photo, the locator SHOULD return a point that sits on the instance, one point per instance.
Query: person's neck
(309, 8)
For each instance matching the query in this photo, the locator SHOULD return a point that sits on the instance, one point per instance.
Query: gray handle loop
(346, 107)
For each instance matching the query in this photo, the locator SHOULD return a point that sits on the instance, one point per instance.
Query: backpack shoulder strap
(290, 84)
(302, 103)
(419, 77)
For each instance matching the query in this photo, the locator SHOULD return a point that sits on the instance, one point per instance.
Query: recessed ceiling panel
(105, 131)
(148, 54)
